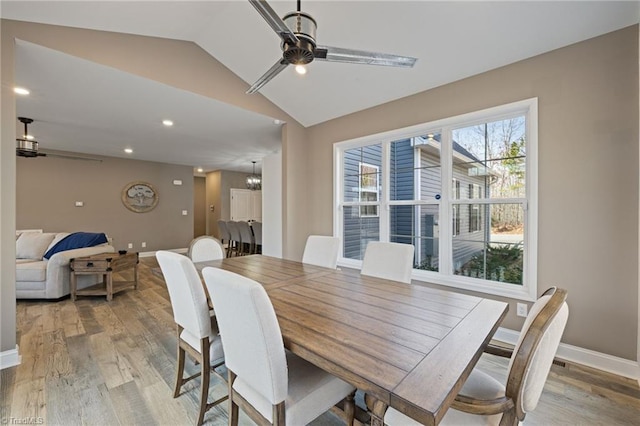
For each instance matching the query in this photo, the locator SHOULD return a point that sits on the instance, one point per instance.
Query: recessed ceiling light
(200, 170)
(21, 91)
(128, 150)
(276, 121)
(301, 69)
(167, 123)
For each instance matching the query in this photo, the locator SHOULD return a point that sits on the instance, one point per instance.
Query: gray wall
(48, 187)
(588, 173)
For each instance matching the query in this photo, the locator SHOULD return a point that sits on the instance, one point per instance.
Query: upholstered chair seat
(270, 384)
(484, 400)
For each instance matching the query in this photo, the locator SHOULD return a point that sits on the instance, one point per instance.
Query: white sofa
(38, 278)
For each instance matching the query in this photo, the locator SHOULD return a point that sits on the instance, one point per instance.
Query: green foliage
(503, 263)
(427, 265)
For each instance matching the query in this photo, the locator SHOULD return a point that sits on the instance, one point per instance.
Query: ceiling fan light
(301, 69)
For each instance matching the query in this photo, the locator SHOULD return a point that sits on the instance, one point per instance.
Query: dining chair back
(262, 376)
(236, 241)
(194, 333)
(246, 237)
(485, 401)
(205, 248)
(391, 261)
(256, 227)
(225, 236)
(321, 250)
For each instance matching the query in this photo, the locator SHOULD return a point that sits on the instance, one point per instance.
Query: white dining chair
(271, 385)
(321, 250)
(205, 248)
(485, 401)
(235, 243)
(391, 261)
(194, 332)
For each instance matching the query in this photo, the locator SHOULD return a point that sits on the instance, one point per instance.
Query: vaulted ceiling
(452, 41)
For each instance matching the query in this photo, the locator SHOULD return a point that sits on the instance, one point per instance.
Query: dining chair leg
(205, 366)
(233, 407)
(350, 408)
(179, 368)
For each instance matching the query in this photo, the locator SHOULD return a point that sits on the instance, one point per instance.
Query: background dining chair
(256, 228)
(246, 237)
(321, 250)
(225, 236)
(391, 261)
(205, 248)
(270, 384)
(191, 314)
(235, 242)
(484, 400)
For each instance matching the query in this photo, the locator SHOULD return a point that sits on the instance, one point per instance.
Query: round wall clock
(139, 197)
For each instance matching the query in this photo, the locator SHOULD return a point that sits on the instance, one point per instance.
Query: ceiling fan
(298, 33)
(28, 147)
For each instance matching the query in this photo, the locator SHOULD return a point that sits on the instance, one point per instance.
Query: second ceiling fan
(298, 33)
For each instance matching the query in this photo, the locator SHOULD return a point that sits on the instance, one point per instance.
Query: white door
(246, 205)
(256, 206)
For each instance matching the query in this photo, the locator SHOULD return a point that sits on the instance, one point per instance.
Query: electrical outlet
(130, 245)
(143, 244)
(521, 309)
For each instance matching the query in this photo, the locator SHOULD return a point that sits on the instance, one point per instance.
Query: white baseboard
(153, 253)
(10, 358)
(609, 363)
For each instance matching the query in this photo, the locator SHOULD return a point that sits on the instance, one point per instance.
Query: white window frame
(375, 189)
(528, 108)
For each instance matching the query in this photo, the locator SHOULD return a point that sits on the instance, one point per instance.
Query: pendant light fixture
(254, 181)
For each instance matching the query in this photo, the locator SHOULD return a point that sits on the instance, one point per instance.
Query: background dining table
(407, 346)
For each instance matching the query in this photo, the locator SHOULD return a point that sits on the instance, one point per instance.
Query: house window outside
(471, 178)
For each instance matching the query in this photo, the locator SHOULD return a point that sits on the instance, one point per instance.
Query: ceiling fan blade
(338, 54)
(273, 71)
(274, 21)
(68, 157)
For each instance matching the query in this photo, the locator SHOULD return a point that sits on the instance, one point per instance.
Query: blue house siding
(359, 229)
(402, 188)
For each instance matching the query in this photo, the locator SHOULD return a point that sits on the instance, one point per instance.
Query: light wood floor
(94, 362)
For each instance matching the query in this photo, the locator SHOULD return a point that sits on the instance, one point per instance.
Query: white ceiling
(452, 40)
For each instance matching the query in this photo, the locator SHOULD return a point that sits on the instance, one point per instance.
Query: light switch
(79, 203)
(177, 182)
(184, 212)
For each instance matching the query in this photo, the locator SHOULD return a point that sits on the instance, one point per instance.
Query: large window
(461, 190)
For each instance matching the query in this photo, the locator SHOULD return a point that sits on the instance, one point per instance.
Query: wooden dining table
(408, 346)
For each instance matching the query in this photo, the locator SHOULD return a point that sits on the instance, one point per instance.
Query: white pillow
(33, 245)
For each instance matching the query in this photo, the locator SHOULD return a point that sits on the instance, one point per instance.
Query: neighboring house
(413, 224)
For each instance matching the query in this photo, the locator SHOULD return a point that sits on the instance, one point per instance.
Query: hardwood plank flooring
(110, 363)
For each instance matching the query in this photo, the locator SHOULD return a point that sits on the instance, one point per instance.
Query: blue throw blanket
(76, 240)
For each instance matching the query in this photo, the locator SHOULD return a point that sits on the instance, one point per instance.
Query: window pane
(358, 231)
(491, 155)
(410, 181)
(495, 250)
(362, 168)
(417, 225)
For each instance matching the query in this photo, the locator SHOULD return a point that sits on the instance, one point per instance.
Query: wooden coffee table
(104, 264)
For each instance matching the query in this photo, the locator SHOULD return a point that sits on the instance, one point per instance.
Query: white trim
(10, 358)
(574, 354)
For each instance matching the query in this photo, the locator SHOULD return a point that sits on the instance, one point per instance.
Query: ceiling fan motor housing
(26, 148)
(304, 27)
